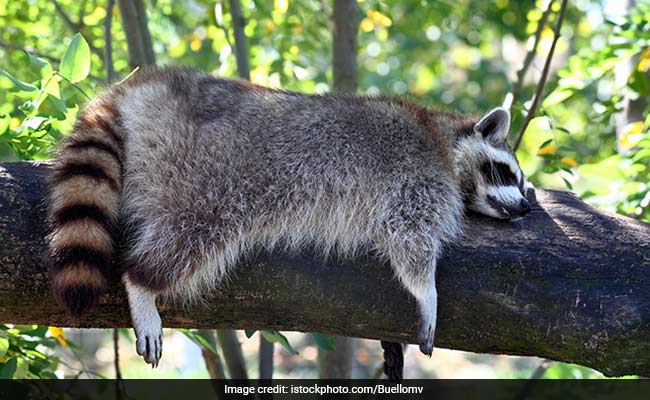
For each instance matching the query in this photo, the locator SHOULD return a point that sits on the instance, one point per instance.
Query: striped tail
(84, 192)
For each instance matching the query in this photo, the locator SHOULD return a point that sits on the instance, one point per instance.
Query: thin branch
(66, 18)
(533, 380)
(119, 382)
(521, 74)
(542, 82)
(75, 27)
(37, 53)
(108, 58)
(116, 351)
(30, 50)
(218, 20)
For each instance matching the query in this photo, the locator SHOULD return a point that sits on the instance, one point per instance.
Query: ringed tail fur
(84, 194)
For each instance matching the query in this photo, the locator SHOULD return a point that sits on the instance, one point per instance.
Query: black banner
(192, 389)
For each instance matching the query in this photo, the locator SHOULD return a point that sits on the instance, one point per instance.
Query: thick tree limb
(569, 283)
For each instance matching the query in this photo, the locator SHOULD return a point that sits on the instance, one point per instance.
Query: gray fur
(215, 168)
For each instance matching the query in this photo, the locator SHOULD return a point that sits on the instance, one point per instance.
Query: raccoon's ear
(494, 126)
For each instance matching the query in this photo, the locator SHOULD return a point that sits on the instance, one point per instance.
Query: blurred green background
(590, 134)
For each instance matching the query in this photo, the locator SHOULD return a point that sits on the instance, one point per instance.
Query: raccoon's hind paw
(425, 338)
(149, 345)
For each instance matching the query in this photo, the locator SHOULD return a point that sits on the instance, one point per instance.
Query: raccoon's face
(492, 182)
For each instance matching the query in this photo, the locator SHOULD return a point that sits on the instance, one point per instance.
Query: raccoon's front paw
(425, 337)
(149, 342)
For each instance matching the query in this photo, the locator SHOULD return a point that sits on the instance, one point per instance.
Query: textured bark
(569, 283)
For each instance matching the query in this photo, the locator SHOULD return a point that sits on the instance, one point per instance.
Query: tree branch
(568, 283)
(521, 74)
(542, 81)
(37, 53)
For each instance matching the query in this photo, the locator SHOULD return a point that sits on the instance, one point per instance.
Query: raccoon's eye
(499, 174)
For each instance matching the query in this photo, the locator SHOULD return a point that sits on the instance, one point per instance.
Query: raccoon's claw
(425, 339)
(149, 346)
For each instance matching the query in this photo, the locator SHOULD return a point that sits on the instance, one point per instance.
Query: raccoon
(193, 172)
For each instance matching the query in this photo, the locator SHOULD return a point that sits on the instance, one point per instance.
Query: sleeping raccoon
(196, 171)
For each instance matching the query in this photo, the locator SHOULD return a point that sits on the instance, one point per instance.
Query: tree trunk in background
(632, 109)
(241, 51)
(231, 348)
(138, 38)
(337, 364)
(212, 360)
(344, 42)
(266, 359)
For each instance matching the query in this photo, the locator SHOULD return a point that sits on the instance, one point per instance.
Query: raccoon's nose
(524, 207)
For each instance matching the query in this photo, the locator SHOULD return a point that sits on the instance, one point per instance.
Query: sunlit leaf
(569, 161)
(57, 333)
(644, 61)
(281, 6)
(547, 150)
(4, 346)
(27, 87)
(75, 64)
(631, 135)
(556, 97)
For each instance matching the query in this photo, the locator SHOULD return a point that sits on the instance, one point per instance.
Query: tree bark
(568, 283)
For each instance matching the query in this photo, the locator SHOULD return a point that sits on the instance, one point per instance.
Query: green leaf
(250, 332)
(54, 106)
(27, 87)
(556, 97)
(75, 64)
(39, 67)
(5, 121)
(198, 339)
(8, 369)
(324, 341)
(277, 337)
(546, 143)
(567, 183)
(22, 368)
(4, 346)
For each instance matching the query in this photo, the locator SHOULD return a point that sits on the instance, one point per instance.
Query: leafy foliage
(22, 352)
